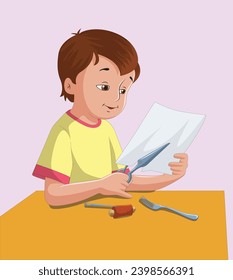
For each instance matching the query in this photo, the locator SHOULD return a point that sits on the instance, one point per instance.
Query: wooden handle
(111, 213)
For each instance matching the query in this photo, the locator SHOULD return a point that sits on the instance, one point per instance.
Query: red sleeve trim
(43, 172)
(121, 170)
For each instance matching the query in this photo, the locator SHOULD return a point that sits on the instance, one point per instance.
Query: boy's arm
(152, 183)
(57, 194)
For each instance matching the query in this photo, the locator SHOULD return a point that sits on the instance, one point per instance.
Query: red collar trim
(82, 122)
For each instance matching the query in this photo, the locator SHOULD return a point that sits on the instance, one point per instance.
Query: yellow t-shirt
(78, 152)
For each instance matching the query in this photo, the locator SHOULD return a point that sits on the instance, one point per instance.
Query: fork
(155, 207)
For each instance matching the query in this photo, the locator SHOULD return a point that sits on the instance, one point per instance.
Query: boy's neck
(81, 113)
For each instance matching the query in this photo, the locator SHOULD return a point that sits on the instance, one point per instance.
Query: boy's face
(102, 90)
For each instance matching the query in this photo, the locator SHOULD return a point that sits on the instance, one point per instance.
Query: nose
(116, 95)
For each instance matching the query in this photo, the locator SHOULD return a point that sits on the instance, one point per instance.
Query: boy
(97, 69)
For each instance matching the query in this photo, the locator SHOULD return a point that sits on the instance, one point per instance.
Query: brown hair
(77, 53)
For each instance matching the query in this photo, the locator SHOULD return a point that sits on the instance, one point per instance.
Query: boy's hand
(179, 168)
(115, 184)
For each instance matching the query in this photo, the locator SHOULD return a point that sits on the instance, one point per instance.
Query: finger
(177, 173)
(123, 176)
(181, 165)
(181, 156)
(123, 188)
(177, 169)
(124, 194)
(125, 184)
(175, 164)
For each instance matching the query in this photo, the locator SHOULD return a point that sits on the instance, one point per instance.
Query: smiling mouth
(109, 107)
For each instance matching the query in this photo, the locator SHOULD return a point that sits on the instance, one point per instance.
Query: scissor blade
(143, 161)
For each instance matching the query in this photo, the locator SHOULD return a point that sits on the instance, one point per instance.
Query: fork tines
(146, 202)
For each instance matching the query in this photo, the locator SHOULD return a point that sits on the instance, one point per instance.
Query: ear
(69, 86)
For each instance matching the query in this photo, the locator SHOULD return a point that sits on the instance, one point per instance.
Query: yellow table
(33, 230)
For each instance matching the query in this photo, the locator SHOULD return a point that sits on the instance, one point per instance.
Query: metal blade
(143, 161)
(89, 205)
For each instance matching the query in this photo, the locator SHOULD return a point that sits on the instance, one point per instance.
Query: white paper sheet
(162, 125)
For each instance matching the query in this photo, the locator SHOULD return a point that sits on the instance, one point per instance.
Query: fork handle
(186, 215)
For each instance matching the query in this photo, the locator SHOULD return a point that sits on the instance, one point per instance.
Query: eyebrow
(107, 69)
(104, 69)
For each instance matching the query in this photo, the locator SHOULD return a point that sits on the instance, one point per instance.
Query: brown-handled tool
(118, 211)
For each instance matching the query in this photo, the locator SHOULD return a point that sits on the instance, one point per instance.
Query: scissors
(143, 161)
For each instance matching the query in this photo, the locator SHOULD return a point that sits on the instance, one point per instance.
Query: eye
(122, 91)
(103, 87)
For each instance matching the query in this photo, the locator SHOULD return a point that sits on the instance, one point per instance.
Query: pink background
(185, 51)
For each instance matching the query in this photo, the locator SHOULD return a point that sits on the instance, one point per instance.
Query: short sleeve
(55, 160)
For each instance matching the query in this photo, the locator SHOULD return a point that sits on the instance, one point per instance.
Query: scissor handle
(129, 177)
(122, 170)
(132, 171)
